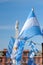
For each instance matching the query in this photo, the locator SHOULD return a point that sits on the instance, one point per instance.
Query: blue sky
(12, 10)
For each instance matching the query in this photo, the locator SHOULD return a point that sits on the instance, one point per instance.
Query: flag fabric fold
(15, 47)
(34, 50)
(33, 47)
(10, 47)
(18, 52)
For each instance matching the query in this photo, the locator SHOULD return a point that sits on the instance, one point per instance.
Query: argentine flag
(33, 50)
(17, 51)
(33, 47)
(10, 47)
(20, 50)
(15, 47)
(31, 26)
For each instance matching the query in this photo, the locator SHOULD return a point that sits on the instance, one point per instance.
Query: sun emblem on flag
(15, 48)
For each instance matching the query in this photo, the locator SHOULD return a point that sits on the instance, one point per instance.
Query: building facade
(24, 60)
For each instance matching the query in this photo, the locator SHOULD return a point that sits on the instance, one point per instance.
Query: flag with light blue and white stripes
(20, 50)
(32, 53)
(33, 50)
(16, 54)
(31, 26)
(33, 46)
(10, 47)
